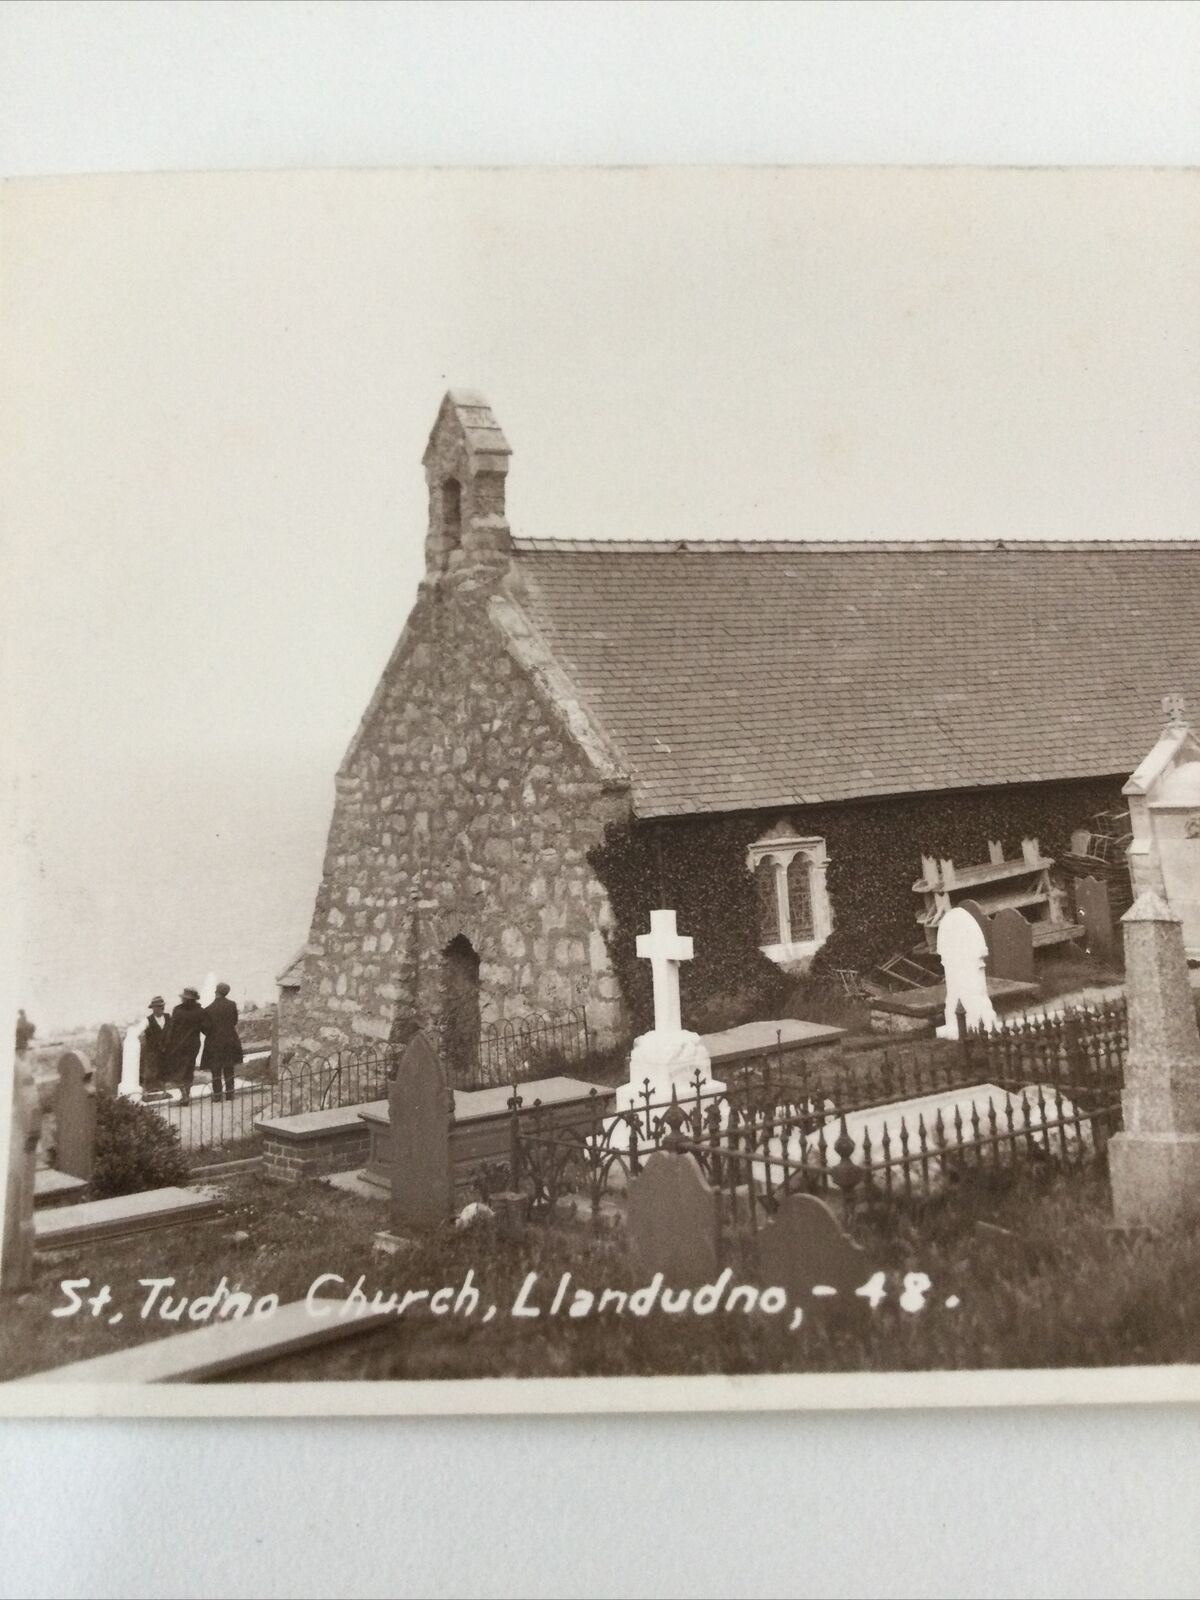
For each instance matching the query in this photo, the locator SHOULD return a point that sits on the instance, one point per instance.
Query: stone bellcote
(466, 462)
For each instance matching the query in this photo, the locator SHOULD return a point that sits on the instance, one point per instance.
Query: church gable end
(466, 807)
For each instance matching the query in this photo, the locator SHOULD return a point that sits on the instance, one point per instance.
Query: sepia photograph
(608, 786)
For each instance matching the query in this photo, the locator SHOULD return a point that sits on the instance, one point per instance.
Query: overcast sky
(218, 390)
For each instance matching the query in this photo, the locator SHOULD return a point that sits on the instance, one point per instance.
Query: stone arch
(460, 1022)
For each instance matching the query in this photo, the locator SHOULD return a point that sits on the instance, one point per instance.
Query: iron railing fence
(907, 1126)
(508, 1052)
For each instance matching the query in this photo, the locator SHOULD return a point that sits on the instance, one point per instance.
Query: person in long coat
(184, 1033)
(155, 1034)
(222, 1046)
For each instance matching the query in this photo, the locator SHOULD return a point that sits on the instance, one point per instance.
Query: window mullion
(781, 895)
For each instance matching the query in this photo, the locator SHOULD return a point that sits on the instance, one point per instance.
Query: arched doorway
(460, 1020)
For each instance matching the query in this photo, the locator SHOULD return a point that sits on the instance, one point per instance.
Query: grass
(1061, 1288)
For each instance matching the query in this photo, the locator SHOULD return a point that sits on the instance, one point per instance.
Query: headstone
(106, 1059)
(982, 918)
(803, 1248)
(420, 1110)
(672, 1221)
(669, 1056)
(1093, 910)
(75, 1115)
(16, 1264)
(1154, 1162)
(1012, 946)
(962, 950)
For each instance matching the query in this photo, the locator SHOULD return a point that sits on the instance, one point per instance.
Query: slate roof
(737, 676)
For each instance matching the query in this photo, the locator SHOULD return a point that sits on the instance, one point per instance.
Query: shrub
(135, 1149)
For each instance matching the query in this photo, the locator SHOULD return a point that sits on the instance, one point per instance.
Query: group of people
(171, 1044)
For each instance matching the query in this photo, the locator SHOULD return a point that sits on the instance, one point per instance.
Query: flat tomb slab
(122, 1216)
(481, 1118)
(52, 1188)
(787, 1036)
(931, 1001)
(219, 1348)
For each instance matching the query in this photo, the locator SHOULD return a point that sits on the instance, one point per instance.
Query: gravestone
(16, 1265)
(106, 1059)
(669, 1056)
(962, 950)
(75, 1115)
(1012, 946)
(982, 918)
(420, 1111)
(803, 1248)
(1154, 1162)
(1093, 910)
(672, 1221)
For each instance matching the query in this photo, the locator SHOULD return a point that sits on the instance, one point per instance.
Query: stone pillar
(1155, 1162)
(16, 1266)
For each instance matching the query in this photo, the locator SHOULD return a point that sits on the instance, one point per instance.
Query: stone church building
(767, 737)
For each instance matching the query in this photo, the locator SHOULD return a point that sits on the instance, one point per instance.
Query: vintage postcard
(606, 790)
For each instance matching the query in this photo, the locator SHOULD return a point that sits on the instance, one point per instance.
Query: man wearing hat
(155, 1032)
(183, 1039)
(222, 1046)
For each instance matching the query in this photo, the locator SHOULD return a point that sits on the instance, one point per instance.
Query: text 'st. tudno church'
(770, 738)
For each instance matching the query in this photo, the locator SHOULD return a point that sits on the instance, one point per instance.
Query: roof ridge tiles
(539, 546)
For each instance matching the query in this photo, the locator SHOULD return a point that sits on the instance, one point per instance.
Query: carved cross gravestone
(420, 1109)
(803, 1248)
(672, 1221)
(1095, 913)
(106, 1059)
(664, 948)
(1012, 946)
(16, 1266)
(75, 1116)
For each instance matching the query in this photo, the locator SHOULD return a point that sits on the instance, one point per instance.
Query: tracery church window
(794, 916)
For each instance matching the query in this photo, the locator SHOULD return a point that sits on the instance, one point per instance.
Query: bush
(135, 1149)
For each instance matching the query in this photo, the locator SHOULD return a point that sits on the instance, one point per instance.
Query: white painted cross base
(670, 1061)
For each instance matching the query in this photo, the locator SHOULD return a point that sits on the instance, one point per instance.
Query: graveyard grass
(1059, 1288)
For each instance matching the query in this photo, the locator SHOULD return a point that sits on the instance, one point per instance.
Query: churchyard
(993, 1160)
(1022, 1192)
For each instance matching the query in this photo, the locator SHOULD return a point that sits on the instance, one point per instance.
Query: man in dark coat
(155, 1034)
(183, 1039)
(222, 1046)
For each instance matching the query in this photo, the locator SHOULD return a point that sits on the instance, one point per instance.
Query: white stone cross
(664, 949)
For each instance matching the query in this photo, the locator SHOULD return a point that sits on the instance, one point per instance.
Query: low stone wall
(314, 1144)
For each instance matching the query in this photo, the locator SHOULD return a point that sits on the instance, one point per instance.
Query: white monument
(668, 1056)
(962, 950)
(1164, 813)
(130, 1085)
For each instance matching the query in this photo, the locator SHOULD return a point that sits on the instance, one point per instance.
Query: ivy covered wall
(697, 866)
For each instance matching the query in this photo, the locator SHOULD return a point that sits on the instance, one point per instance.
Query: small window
(794, 916)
